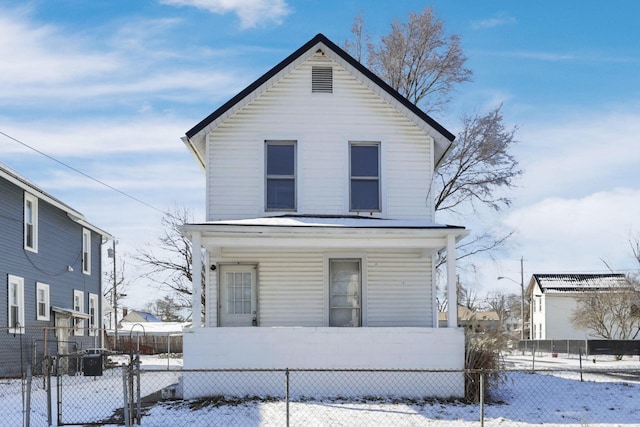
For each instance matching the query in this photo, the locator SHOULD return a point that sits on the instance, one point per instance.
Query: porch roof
(324, 231)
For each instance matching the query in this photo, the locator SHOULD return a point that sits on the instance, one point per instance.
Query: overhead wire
(24, 144)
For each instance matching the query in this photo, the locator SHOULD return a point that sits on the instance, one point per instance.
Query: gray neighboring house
(50, 269)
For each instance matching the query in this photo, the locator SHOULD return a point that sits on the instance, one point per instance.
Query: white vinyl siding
(15, 306)
(94, 315)
(292, 287)
(30, 222)
(86, 251)
(42, 302)
(323, 127)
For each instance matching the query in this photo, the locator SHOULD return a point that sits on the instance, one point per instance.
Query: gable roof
(195, 137)
(136, 315)
(28, 186)
(572, 283)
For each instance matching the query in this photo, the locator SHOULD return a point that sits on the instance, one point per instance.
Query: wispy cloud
(593, 57)
(50, 63)
(499, 20)
(252, 13)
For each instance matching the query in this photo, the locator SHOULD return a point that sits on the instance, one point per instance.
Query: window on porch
(345, 283)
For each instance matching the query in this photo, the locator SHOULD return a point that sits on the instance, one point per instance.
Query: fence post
(286, 394)
(139, 406)
(48, 377)
(481, 397)
(580, 356)
(59, 390)
(28, 398)
(127, 421)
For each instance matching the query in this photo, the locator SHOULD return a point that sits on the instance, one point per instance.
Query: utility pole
(112, 254)
(522, 296)
(522, 316)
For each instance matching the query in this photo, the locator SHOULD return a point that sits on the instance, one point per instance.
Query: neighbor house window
(364, 173)
(42, 301)
(15, 298)
(93, 315)
(78, 305)
(86, 251)
(30, 222)
(280, 175)
(345, 290)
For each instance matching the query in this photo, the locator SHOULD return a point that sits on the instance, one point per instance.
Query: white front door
(238, 302)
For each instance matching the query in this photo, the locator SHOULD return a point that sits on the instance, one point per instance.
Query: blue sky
(109, 87)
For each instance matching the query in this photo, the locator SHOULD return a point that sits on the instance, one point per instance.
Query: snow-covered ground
(553, 396)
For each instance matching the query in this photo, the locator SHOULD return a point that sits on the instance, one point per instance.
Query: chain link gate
(78, 377)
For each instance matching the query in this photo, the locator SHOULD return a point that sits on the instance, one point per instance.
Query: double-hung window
(15, 307)
(93, 315)
(86, 251)
(364, 177)
(30, 222)
(280, 186)
(42, 301)
(78, 305)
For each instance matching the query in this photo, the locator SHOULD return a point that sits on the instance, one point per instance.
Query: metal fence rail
(128, 395)
(79, 389)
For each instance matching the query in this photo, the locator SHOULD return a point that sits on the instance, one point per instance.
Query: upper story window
(86, 251)
(42, 301)
(280, 168)
(15, 297)
(364, 176)
(30, 222)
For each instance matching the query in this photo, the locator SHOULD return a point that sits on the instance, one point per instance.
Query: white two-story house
(320, 240)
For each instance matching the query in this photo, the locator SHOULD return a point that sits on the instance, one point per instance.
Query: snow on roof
(330, 221)
(151, 328)
(560, 283)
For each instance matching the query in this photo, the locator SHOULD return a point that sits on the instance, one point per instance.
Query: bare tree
(166, 309)
(610, 313)
(422, 63)
(635, 246)
(479, 165)
(416, 58)
(169, 263)
(467, 297)
(357, 47)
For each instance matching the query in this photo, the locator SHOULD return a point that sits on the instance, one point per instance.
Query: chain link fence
(128, 395)
(87, 386)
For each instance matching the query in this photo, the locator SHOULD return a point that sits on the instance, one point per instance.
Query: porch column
(452, 292)
(196, 279)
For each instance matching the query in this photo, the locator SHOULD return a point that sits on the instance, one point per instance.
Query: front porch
(380, 348)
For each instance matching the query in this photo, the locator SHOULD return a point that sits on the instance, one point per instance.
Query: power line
(82, 173)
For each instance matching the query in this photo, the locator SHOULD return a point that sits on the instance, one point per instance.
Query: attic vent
(321, 80)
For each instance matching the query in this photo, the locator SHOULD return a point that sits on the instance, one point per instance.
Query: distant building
(554, 298)
(135, 316)
(476, 321)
